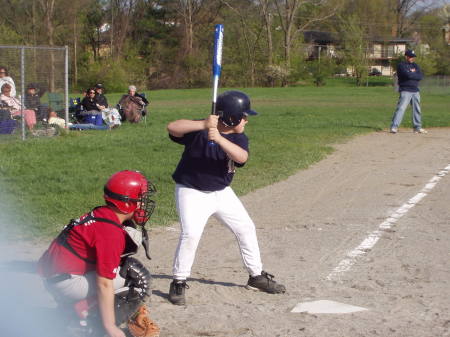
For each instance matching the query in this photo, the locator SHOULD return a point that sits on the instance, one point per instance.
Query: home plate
(326, 307)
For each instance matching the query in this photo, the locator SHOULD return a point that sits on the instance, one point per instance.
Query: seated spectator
(7, 125)
(132, 91)
(132, 105)
(15, 107)
(6, 79)
(33, 101)
(53, 119)
(89, 103)
(110, 115)
(100, 98)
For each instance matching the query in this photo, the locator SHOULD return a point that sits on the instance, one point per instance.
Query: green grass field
(51, 180)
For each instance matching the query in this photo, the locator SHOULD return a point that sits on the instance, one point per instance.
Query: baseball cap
(99, 86)
(410, 53)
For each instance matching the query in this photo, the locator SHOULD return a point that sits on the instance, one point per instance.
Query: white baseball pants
(194, 209)
(79, 287)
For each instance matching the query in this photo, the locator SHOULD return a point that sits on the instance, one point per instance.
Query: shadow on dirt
(190, 280)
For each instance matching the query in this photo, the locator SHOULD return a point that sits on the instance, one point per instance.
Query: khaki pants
(78, 287)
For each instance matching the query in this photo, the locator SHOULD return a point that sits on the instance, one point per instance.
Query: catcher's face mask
(146, 206)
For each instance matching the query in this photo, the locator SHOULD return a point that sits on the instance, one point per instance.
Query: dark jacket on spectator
(409, 80)
(101, 100)
(32, 101)
(89, 104)
(142, 97)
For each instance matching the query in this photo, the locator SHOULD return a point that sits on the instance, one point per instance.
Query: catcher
(87, 258)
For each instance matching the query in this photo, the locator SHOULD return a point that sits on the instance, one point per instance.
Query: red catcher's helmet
(129, 192)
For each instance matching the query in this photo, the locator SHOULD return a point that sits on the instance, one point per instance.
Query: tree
(267, 15)
(167, 43)
(295, 16)
(122, 14)
(72, 31)
(375, 16)
(406, 13)
(194, 16)
(355, 48)
(251, 36)
(321, 69)
(9, 36)
(15, 18)
(92, 24)
(431, 26)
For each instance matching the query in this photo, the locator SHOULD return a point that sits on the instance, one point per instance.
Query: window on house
(391, 51)
(388, 51)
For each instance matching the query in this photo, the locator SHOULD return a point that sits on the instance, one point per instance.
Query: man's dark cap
(32, 86)
(410, 53)
(99, 86)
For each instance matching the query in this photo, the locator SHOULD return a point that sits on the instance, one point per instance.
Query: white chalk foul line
(368, 243)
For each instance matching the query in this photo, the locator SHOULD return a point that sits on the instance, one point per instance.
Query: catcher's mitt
(140, 324)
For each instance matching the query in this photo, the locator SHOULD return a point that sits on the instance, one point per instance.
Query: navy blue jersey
(203, 166)
(408, 80)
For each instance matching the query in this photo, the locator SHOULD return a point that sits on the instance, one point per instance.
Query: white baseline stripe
(368, 243)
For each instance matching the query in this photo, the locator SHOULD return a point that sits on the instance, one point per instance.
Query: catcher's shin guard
(136, 276)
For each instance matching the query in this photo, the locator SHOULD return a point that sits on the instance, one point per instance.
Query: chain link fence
(38, 77)
(439, 84)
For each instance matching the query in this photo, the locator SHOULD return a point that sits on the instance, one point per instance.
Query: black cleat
(177, 292)
(265, 282)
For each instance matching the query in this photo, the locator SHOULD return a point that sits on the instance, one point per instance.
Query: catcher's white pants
(79, 287)
(194, 208)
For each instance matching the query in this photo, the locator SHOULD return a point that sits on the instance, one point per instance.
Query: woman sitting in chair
(90, 104)
(132, 105)
(91, 113)
(15, 107)
(6, 79)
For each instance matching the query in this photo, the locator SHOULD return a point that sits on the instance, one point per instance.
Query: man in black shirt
(33, 101)
(99, 97)
(111, 116)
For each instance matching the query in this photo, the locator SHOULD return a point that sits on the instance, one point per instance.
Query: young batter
(202, 178)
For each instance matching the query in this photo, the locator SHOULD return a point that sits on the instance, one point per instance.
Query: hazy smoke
(26, 309)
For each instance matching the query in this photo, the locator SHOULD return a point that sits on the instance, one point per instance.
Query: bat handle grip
(213, 112)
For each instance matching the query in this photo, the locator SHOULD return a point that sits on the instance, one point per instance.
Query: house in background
(446, 33)
(319, 44)
(380, 52)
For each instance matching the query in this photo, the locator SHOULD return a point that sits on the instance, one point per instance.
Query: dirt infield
(306, 226)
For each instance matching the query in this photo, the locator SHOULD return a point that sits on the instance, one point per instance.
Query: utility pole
(112, 27)
(320, 48)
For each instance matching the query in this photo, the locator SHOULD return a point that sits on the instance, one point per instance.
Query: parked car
(375, 72)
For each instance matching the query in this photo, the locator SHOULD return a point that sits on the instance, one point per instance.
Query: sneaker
(394, 130)
(420, 131)
(265, 282)
(177, 292)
